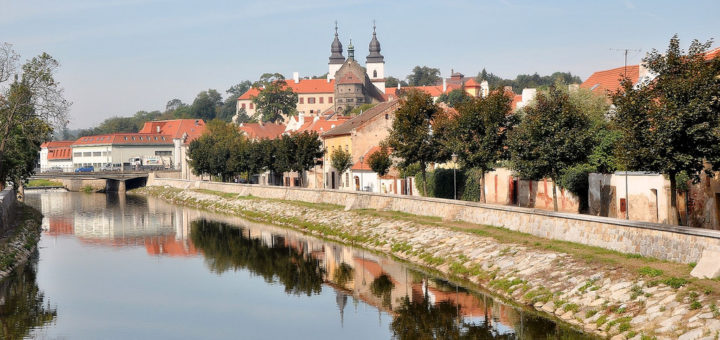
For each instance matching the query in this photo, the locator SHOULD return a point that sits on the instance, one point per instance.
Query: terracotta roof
(176, 128)
(712, 54)
(125, 139)
(515, 100)
(303, 86)
(362, 118)
(364, 165)
(260, 131)
(472, 83)
(608, 81)
(322, 125)
(57, 144)
(60, 153)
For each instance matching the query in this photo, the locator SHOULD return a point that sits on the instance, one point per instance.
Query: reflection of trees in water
(381, 287)
(343, 274)
(226, 247)
(22, 307)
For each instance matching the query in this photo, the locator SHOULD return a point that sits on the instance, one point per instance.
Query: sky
(121, 56)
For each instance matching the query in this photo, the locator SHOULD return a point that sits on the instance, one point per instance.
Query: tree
(380, 162)
(205, 105)
(174, 104)
(308, 149)
(341, 160)
(553, 135)
(671, 124)
(423, 75)
(454, 98)
(30, 106)
(212, 152)
(275, 99)
(239, 89)
(391, 82)
(285, 152)
(411, 136)
(479, 133)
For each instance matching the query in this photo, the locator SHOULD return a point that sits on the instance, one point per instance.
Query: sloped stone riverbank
(604, 299)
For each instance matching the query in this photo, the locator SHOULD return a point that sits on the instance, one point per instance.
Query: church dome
(336, 49)
(375, 56)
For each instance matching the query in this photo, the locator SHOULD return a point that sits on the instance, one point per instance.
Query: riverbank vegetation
(43, 183)
(18, 244)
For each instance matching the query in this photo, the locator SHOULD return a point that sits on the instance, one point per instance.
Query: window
(374, 73)
(141, 137)
(163, 137)
(330, 99)
(243, 106)
(347, 179)
(311, 100)
(104, 153)
(125, 137)
(87, 154)
(349, 100)
(302, 100)
(77, 154)
(321, 100)
(251, 106)
(387, 116)
(97, 154)
(133, 137)
(163, 153)
(155, 137)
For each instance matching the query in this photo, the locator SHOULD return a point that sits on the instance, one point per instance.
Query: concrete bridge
(97, 181)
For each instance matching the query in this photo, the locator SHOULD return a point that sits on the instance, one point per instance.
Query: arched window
(374, 73)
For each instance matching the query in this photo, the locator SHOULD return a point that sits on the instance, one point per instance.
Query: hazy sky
(121, 56)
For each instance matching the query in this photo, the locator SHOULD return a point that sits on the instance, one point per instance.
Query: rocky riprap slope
(606, 300)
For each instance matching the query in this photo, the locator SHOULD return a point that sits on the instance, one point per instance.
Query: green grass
(43, 183)
(651, 272)
(675, 282)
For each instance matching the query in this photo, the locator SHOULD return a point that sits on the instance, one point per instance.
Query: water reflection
(22, 304)
(420, 306)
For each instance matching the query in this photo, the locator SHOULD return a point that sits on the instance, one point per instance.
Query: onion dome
(375, 56)
(336, 56)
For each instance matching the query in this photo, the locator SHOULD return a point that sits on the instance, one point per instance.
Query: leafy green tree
(379, 161)
(205, 105)
(30, 107)
(239, 89)
(411, 136)
(672, 123)
(479, 133)
(275, 99)
(284, 154)
(523, 81)
(228, 109)
(423, 75)
(341, 160)
(308, 149)
(212, 153)
(392, 82)
(174, 104)
(454, 98)
(553, 135)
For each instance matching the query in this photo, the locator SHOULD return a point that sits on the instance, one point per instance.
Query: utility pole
(627, 199)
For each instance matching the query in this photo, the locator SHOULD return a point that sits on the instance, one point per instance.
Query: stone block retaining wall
(662, 241)
(7, 200)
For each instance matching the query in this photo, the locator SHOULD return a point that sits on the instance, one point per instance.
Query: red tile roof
(472, 83)
(260, 131)
(57, 144)
(322, 125)
(712, 54)
(360, 120)
(57, 154)
(125, 139)
(515, 100)
(176, 128)
(365, 165)
(303, 86)
(608, 81)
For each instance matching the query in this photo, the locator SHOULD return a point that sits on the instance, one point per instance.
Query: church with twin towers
(347, 86)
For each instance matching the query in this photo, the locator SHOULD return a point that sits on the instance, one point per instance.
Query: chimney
(444, 85)
(296, 77)
(158, 128)
(485, 88)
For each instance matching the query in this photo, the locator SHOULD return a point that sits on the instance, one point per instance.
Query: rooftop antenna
(627, 200)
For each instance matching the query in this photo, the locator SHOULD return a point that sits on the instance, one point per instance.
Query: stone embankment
(19, 243)
(604, 299)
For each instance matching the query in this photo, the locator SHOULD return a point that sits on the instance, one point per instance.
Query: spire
(336, 49)
(351, 51)
(375, 56)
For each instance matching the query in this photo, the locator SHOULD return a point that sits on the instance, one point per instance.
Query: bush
(471, 187)
(440, 183)
(575, 180)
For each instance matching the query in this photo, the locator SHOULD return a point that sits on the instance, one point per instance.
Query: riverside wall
(7, 201)
(662, 241)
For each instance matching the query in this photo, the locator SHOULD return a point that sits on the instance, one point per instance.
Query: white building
(119, 148)
(56, 156)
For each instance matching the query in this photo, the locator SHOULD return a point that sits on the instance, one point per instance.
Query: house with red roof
(314, 96)
(182, 132)
(56, 156)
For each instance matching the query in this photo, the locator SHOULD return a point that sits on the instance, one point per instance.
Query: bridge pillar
(121, 186)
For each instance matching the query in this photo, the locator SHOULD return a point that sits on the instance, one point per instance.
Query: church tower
(336, 57)
(375, 63)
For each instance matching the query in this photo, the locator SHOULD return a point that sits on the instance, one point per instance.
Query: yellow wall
(332, 144)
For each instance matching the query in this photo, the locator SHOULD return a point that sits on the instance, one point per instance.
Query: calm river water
(129, 267)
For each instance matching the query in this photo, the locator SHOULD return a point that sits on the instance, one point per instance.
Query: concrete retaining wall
(667, 242)
(7, 200)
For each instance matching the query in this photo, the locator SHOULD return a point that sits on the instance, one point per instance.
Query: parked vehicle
(110, 167)
(88, 168)
(54, 169)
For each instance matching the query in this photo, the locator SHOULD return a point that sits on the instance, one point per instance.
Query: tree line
(226, 153)
(669, 125)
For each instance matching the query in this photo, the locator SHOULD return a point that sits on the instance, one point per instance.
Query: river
(131, 267)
